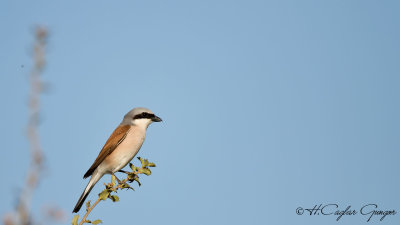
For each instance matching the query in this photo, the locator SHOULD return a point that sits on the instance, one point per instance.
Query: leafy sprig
(112, 188)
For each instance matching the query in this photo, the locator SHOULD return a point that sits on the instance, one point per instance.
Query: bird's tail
(93, 180)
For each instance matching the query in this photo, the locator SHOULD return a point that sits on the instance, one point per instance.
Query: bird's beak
(156, 119)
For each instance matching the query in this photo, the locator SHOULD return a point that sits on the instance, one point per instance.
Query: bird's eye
(144, 114)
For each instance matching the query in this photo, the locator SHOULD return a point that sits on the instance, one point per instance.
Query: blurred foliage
(22, 213)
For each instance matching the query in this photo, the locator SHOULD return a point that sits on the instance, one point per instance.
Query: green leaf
(152, 164)
(114, 198)
(88, 221)
(97, 222)
(75, 219)
(104, 194)
(113, 180)
(132, 166)
(87, 205)
(141, 160)
(146, 171)
(137, 180)
(125, 185)
(145, 163)
(130, 176)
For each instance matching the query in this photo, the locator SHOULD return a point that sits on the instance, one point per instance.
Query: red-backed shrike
(120, 148)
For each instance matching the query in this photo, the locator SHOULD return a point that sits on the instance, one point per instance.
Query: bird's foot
(123, 171)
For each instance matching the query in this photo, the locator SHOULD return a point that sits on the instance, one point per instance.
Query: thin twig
(89, 210)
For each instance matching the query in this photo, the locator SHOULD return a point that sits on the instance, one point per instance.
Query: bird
(120, 148)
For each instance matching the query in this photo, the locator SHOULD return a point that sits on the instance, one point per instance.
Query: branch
(113, 187)
(89, 210)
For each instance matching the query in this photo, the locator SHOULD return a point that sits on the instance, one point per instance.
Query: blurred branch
(113, 187)
(23, 214)
(36, 166)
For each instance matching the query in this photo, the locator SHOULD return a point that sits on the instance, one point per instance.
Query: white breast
(125, 151)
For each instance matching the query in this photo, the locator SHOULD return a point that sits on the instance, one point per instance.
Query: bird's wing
(113, 141)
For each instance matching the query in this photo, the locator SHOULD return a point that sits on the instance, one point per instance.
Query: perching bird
(120, 148)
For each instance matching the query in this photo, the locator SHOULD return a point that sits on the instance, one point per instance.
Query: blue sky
(267, 106)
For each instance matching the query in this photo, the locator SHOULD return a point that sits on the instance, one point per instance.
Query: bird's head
(140, 117)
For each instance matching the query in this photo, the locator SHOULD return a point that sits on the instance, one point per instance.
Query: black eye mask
(144, 115)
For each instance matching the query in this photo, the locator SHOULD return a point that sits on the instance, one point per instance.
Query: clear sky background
(267, 106)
